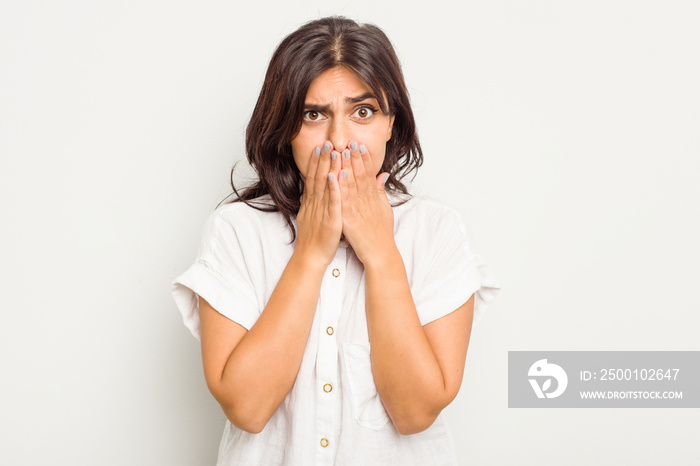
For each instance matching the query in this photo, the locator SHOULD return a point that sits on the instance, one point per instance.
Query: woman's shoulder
(424, 208)
(251, 213)
(252, 207)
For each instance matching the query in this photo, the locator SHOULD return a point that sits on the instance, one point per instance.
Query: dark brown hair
(313, 48)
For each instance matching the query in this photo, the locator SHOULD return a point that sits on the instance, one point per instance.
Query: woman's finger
(381, 184)
(332, 176)
(348, 187)
(351, 176)
(368, 166)
(311, 168)
(359, 170)
(324, 166)
(334, 204)
(336, 164)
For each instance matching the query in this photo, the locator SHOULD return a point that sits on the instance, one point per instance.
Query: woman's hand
(367, 216)
(250, 373)
(319, 221)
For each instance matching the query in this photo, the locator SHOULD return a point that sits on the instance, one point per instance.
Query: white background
(566, 132)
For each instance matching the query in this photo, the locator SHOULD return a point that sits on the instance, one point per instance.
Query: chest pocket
(367, 407)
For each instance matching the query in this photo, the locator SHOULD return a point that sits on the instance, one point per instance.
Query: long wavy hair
(303, 55)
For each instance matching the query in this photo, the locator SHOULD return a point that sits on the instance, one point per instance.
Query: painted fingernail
(332, 155)
(363, 149)
(353, 145)
(317, 151)
(345, 173)
(330, 177)
(347, 154)
(326, 146)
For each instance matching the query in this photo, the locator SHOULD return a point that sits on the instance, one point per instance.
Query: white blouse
(333, 414)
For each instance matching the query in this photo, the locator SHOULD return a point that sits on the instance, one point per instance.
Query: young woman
(333, 308)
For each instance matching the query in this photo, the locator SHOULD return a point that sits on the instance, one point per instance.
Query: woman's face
(341, 109)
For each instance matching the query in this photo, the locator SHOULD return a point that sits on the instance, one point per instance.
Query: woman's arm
(417, 369)
(250, 372)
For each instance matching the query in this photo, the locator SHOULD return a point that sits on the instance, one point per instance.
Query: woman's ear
(391, 126)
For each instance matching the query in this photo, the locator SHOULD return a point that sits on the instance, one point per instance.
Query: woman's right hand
(250, 372)
(319, 221)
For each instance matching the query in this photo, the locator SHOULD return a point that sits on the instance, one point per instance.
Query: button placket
(327, 356)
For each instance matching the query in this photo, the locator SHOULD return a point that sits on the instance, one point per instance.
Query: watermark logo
(603, 379)
(547, 371)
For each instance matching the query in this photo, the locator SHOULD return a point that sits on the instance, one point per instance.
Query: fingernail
(363, 149)
(345, 173)
(385, 178)
(330, 177)
(347, 154)
(332, 155)
(326, 146)
(317, 151)
(353, 145)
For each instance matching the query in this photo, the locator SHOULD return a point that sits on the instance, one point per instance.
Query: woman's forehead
(338, 86)
(335, 84)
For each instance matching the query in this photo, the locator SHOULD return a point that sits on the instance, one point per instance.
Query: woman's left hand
(368, 219)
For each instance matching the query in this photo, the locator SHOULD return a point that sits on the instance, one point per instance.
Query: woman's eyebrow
(309, 107)
(316, 108)
(360, 98)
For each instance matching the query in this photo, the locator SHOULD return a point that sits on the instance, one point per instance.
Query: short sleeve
(221, 275)
(451, 272)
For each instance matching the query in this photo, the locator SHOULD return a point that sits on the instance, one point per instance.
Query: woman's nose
(339, 135)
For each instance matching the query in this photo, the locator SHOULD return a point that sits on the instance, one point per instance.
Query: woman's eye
(364, 112)
(312, 115)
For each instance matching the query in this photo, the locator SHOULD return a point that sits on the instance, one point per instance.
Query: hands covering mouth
(342, 196)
